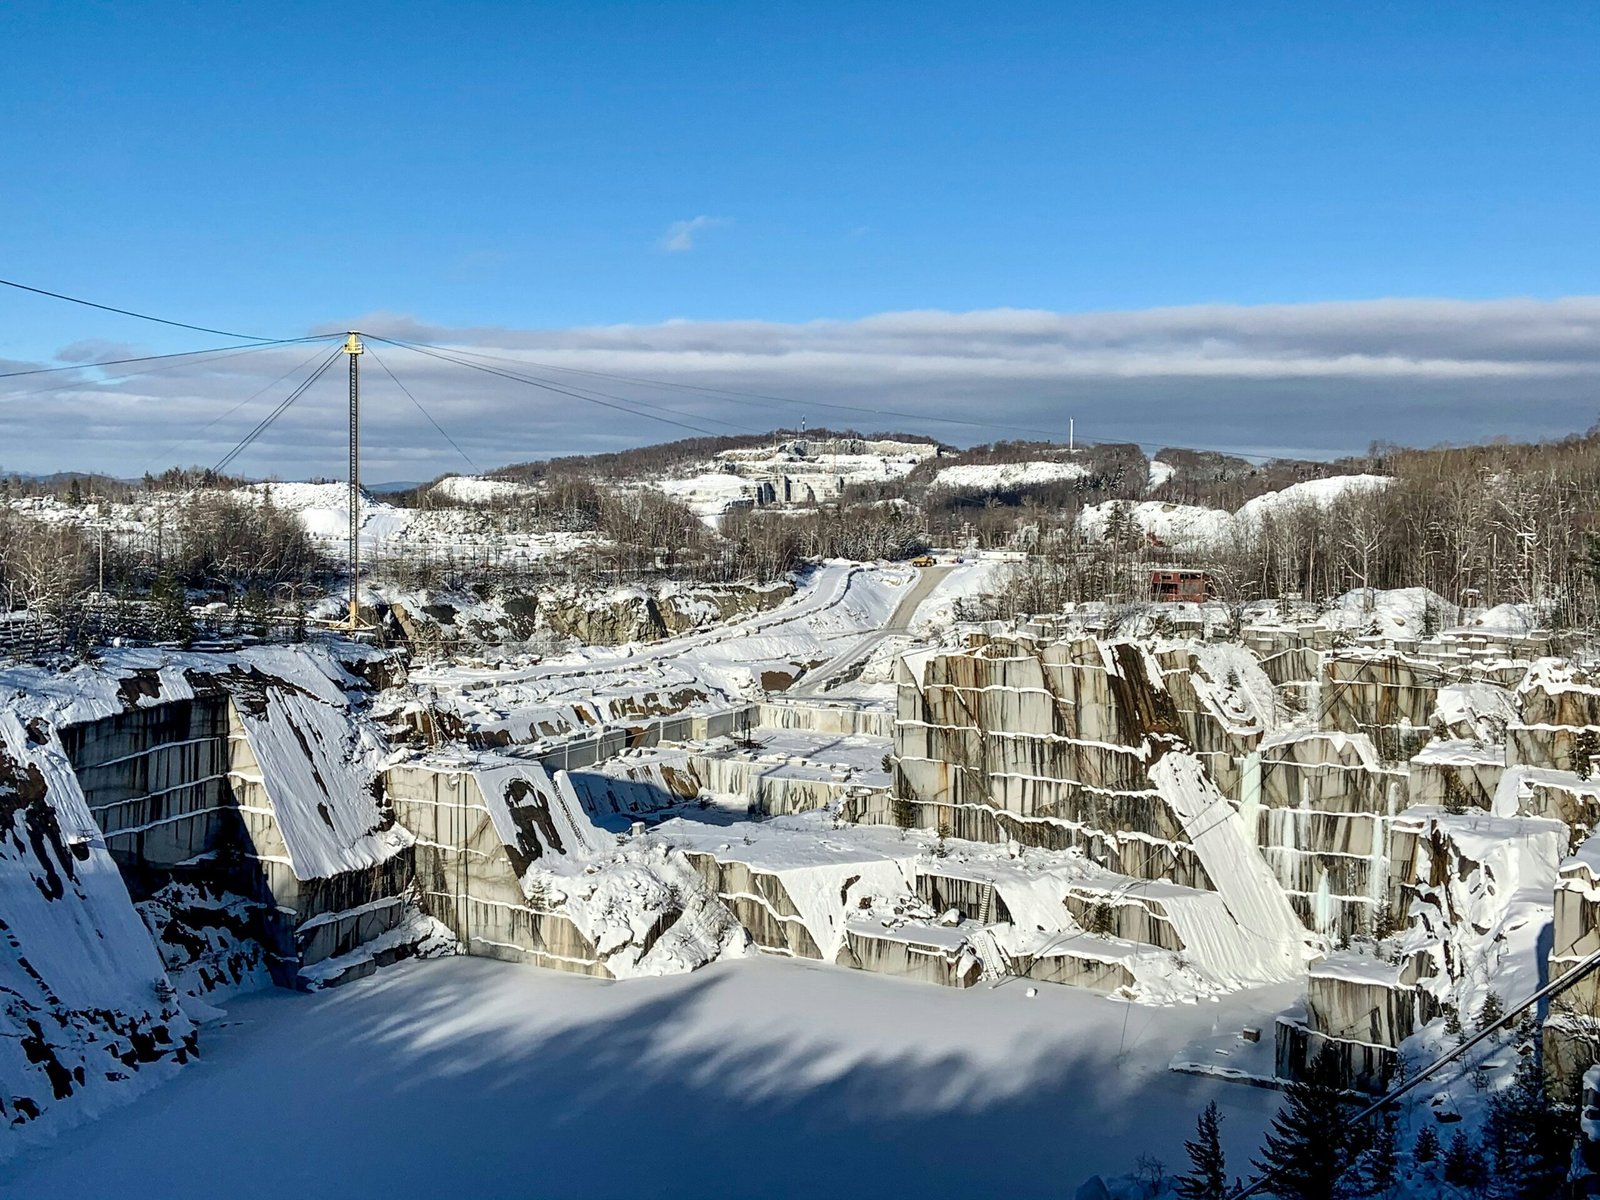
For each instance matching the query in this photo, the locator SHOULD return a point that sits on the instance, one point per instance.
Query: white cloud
(680, 235)
(1308, 379)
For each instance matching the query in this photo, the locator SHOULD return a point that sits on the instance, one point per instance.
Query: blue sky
(526, 166)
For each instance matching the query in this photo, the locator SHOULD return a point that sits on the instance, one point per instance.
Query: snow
(1160, 473)
(1319, 493)
(77, 967)
(999, 477)
(1478, 710)
(318, 766)
(837, 609)
(760, 1077)
(1506, 620)
(1265, 940)
(473, 489)
(710, 495)
(1189, 526)
(1394, 613)
(1176, 525)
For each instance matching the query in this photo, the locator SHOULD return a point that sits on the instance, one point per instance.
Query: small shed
(1171, 584)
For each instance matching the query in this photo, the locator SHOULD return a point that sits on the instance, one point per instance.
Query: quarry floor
(758, 1077)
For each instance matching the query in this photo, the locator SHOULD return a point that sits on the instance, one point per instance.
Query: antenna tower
(353, 348)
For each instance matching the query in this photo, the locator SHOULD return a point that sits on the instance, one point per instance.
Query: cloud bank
(1317, 380)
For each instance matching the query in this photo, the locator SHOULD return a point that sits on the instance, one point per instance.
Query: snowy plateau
(844, 877)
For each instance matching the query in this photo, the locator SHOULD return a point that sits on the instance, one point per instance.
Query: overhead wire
(461, 362)
(294, 370)
(1571, 976)
(88, 384)
(128, 312)
(591, 394)
(420, 409)
(731, 394)
(282, 407)
(118, 362)
(734, 394)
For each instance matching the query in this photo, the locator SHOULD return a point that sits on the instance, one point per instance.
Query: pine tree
(1208, 1180)
(1584, 749)
(1427, 1147)
(1529, 1140)
(1309, 1146)
(173, 620)
(1492, 1010)
(1379, 1168)
(1463, 1164)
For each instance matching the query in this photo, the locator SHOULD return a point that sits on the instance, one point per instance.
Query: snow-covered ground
(757, 1077)
(1193, 525)
(473, 489)
(995, 477)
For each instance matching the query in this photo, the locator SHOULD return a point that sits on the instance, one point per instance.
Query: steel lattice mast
(353, 348)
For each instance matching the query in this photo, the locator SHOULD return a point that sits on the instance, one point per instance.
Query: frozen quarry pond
(468, 1077)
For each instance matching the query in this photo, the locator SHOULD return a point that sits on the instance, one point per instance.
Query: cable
(294, 370)
(220, 355)
(1559, 984)
(125, 312)
(117, 362)
(460, 362)
(472, 354)
(588, 394)
(880, 412)
(737, 395)
(420, 409)
(283, 406)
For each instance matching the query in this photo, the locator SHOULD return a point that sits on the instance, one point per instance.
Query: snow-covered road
(466, 1077)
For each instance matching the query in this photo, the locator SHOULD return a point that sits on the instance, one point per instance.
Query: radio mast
(353, 348)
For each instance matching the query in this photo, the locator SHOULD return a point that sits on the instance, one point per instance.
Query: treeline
(212, 542)
(1497, 524)
(667, 458)
(1314, 1149)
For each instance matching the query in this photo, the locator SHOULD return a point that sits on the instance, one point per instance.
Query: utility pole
(352, 347)
(1072, 439)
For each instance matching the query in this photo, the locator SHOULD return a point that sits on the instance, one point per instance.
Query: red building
(1173, 585)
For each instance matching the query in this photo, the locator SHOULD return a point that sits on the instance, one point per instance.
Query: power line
(588, 391)
(420, 409)
(128, 312)
(117, 362)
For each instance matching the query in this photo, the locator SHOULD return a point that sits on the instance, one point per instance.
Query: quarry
(1209, 849)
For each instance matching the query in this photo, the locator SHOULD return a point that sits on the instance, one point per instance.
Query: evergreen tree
(1379, 1168)
(1529, 1139)
(1584, 748)
(1427, 1147)
(1208, 1178)
(1464, 1166)
(173, 620)
(1309, 1146)
(1493, 1009)
(255, 612)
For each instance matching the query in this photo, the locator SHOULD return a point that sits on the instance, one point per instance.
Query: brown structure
(1179, 585)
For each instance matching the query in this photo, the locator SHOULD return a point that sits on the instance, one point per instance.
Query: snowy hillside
(998, 477)
(1193, 526)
